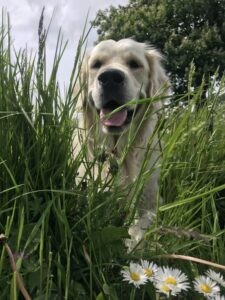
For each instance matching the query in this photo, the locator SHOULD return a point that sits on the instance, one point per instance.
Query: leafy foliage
(184, 30)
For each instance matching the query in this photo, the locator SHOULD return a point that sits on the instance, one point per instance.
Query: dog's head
(117, 72)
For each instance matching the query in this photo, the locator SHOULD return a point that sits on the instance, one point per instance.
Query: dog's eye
(133, 64)
(96, 64)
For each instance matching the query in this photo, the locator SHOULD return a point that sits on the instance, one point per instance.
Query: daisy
(206, 286)
(134, 274)
(216, 277)
(150, 269)
(166, 289)
(218, 297)
(171, 281)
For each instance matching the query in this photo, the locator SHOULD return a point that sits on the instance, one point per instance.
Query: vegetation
(184, 31)
(67, 237)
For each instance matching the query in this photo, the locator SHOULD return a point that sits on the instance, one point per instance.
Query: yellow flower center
(165, 288)
(134, 276)
(148, 272)
(171, 280)
(206, 288)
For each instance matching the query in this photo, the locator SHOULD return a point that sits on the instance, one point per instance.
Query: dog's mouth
(115, 117)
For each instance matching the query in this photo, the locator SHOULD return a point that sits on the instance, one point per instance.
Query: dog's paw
(136, 237)
(137, 230)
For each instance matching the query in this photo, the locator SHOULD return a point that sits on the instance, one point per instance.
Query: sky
(70, 15)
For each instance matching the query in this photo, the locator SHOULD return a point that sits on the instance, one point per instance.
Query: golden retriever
(115, 73)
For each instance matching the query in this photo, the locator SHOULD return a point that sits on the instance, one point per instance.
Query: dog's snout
(111, 78)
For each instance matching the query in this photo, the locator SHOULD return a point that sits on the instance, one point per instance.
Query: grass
(67, 238)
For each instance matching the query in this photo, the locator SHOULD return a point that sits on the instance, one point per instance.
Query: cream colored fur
(147, 81)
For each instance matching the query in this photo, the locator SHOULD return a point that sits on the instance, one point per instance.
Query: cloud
(69, 15)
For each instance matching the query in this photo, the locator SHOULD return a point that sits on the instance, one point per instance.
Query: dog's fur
(115, 73)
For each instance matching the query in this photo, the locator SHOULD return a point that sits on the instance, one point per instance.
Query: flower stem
(132, 294)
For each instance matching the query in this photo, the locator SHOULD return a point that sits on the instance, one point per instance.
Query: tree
(184, 31)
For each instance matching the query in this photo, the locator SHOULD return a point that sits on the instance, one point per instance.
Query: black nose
(111, 77)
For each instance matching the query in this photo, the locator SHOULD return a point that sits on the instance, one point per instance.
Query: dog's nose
(111, 78)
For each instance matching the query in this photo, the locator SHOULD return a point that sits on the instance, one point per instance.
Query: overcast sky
(68, 14)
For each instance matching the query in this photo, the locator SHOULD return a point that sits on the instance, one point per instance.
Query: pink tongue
(116, 119)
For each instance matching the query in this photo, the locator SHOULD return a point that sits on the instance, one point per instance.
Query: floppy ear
(159, 83)
(81, 91)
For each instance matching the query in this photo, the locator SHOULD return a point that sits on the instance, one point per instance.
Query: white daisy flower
(206, 286)
(171, 281)
(134, 274)
(166, 289)
(149, 268)
(216, 277)
(217, 297)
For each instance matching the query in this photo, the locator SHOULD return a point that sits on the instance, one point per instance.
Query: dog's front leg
(146, 211)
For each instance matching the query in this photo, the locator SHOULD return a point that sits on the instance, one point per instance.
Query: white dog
(114, 74)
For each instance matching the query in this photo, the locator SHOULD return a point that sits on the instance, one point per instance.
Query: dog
(115, 73)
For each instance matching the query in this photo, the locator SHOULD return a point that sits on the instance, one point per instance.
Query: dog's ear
(86, 119)
(81, 86)
(159, 83)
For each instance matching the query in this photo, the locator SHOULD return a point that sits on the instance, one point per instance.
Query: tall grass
(67, 237)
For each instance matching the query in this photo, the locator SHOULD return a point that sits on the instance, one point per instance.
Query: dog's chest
(130, 162)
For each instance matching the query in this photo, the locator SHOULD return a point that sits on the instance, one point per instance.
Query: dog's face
(118, 72)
